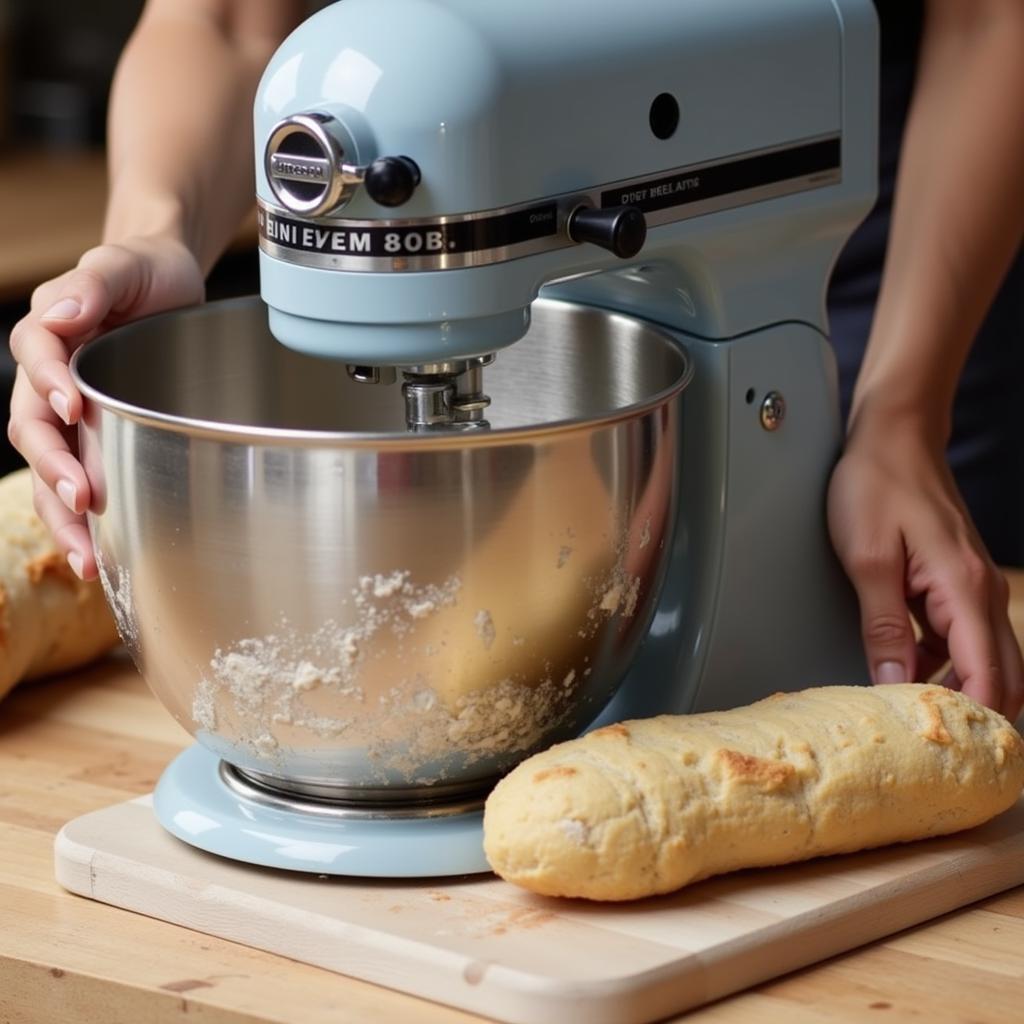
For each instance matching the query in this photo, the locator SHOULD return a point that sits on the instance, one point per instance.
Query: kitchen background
(57, 58)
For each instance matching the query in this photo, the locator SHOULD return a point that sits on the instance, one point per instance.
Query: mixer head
(307, 166)
(309, 171)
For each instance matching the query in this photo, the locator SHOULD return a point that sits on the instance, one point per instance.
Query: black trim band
(474, 239)
(429, 238)
(694, 186)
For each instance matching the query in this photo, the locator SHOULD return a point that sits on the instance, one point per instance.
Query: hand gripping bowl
(344, 610)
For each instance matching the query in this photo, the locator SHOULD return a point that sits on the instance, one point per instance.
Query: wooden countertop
(53, 211)
(71, 745)
(53, 207)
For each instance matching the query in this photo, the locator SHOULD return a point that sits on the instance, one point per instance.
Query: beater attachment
(438, 396)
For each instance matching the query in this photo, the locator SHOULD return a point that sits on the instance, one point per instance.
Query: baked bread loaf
(646, 807)
(50, 621)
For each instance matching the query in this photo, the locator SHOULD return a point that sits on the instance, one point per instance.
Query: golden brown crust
(1008, 745)
(1010, 740)
(935, 729)
(615, 730)
(652, 805)
(769, 775)
(560, 772)
(51, 565)
(50, 621)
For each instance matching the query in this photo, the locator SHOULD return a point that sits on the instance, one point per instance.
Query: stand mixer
(541, 429)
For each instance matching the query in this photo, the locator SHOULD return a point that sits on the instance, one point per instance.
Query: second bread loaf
(50, 621)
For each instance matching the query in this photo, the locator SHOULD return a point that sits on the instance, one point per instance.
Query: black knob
(619, 229)
(391, 180)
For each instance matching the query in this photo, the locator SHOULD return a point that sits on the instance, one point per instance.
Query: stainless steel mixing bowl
(347, 610)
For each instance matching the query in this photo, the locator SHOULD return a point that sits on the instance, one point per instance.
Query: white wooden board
(483, 945)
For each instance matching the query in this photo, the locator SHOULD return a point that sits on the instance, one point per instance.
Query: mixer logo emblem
(299, 168)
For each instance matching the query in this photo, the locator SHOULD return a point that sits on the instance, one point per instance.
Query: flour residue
(262, 683)
(503, 720)
(411, 682)
(393, 600)
(117, 587)
(204, 709)
(632, 595)
(611, 598)
(574, 830)
(620, 594)
(265, 744)
(485, 627)
(616, 592)
(384, 586)
(308, 677)
(645, 533)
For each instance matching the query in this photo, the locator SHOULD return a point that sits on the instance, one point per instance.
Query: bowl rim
(286, 436)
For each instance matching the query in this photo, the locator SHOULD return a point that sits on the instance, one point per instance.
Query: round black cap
(391, 180)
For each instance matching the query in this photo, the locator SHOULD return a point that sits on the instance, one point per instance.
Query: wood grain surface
(53, 207)
(483, 945)
(52, 211)
(69, 746)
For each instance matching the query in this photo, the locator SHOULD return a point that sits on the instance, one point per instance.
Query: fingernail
(67, 493)
(889, 672)
(65, 309)
(59, 404)
(77, 563)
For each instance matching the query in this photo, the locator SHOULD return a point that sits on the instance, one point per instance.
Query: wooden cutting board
(483, 945)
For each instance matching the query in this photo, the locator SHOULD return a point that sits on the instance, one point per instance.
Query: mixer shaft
(446, 396)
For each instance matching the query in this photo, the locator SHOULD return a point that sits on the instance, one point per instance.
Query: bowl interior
(219, 364)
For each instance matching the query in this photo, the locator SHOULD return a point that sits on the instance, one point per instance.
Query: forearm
(180, 133)
(958, 215)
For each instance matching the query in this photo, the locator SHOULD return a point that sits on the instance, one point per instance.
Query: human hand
(907, 543)
(111, 285)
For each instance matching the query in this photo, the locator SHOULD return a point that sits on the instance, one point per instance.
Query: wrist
(893, 427)
(892, 420)
(132, 213)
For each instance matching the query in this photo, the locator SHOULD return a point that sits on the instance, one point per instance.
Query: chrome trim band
(457, 241)
(345, 802)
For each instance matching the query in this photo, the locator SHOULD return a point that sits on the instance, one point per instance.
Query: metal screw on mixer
(372, 374)
(773, 410)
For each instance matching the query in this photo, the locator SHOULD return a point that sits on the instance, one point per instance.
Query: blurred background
(57, 58)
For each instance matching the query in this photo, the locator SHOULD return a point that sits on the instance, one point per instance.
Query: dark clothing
(987, 448)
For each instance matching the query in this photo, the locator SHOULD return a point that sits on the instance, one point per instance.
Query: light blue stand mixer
(674, 179)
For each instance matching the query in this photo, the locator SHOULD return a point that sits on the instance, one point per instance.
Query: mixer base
(193, 803)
